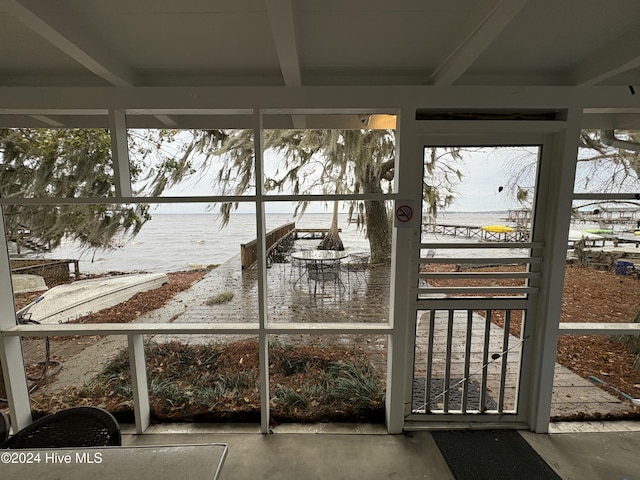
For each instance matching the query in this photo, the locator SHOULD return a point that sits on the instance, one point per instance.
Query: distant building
(610, 215)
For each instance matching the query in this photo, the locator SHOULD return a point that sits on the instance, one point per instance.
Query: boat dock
(487, 233)
(501, 233)
(311, 233)
(276, 237)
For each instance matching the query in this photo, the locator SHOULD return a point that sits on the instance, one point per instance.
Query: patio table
(317, 259)
(195, 462)
(320, 255)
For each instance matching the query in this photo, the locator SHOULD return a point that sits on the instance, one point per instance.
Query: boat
(67, 302)
(497, 229)
(599, 231)
(575, 235)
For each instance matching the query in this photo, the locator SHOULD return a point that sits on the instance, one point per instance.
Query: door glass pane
(481, 197)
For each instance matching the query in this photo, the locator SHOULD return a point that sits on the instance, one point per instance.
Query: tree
(440, 177)
(603, 168)
(63, 163)
(600, 168)
(77, 163)
(362, 159)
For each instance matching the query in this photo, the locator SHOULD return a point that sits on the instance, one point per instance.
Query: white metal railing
(425, 291)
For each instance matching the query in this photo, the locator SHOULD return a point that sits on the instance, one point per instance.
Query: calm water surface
(174, 242)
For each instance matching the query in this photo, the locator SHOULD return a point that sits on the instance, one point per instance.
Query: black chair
(5, 426)
(72, 427)
(322, 272)
(358, 264)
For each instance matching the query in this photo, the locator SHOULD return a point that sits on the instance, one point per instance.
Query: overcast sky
(484, 171)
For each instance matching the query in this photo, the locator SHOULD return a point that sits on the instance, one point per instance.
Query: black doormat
(491, 455)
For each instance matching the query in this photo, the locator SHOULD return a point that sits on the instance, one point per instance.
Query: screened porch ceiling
(310, 43)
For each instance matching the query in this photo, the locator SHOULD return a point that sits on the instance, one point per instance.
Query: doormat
(491, 455)
(455, 395)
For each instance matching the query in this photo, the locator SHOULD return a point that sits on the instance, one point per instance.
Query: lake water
(174, 242)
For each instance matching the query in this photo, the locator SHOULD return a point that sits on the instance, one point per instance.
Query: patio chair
(5, 426)
(357, 265)
(296, 271)
(72, 427)
(323, 272)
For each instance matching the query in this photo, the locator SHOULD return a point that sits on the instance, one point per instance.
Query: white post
(408, 185)
(262, 275)
(139, 384)
(11, 357)
(120, 153)
(559, 171)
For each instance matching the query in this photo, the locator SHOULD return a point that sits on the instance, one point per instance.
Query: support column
(265, 414)
(408, 184)
(120, 153)
(559, 172)
(138, 366)
(11, 357)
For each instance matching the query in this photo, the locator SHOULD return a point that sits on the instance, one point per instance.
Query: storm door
(478, 265)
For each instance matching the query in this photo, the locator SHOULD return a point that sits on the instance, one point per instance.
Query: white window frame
(10, 347)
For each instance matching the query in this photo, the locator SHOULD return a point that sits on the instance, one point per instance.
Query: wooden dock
(274, 238)
(249, 251)
(311, 233)
(473, 231)
(53, 271)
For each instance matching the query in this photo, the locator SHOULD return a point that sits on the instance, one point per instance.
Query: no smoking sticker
(404, 214)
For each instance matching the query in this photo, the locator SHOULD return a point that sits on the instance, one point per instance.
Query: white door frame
(556, 170)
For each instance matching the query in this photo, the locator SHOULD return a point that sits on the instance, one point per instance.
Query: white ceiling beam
(467, 52)
(56, 101)
(284, 38)
(283, 29)
(166, 120)
(619, 56)
(60, 27)
(47, 121)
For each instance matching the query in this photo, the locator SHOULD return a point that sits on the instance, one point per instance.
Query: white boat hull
(71, 301)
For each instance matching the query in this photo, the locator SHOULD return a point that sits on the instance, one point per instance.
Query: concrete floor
(369, 453)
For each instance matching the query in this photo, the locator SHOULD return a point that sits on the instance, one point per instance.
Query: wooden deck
(288, 300)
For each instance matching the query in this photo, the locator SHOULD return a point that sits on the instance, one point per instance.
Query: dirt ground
(591, 295)
(600, 296)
